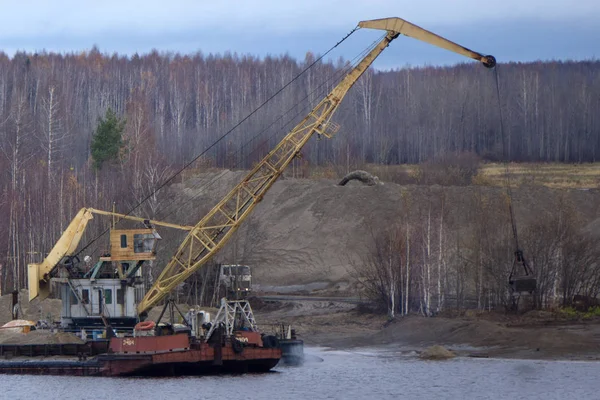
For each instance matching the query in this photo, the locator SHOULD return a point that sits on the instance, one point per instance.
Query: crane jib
(213, 231)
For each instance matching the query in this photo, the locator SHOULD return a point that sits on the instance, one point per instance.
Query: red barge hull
(173, 355)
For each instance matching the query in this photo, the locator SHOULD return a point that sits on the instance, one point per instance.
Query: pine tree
(108, 139)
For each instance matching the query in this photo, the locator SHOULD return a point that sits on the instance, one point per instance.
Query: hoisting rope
(302, 111)
(519, 258)
(206, 150)
(506, 161)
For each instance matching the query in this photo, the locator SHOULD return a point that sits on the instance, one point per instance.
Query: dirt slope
(313, 231)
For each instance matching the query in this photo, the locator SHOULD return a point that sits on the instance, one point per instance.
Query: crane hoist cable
(518, 282)
(189, 163)
(333, 78)
(318, 90)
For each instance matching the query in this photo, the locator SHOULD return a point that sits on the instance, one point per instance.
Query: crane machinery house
(112, 287)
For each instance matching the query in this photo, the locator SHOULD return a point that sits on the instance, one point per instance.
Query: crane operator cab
(133, 244)
(237, 280)
(521, 282)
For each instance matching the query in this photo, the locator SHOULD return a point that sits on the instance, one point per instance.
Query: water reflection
(358, 374)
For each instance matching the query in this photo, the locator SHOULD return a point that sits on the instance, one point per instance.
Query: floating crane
(110, 294)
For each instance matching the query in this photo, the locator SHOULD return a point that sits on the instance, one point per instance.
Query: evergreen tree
(108, 139)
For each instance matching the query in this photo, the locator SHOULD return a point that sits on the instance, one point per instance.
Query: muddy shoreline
(539, 335)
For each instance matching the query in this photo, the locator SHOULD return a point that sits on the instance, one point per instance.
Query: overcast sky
(512, 30)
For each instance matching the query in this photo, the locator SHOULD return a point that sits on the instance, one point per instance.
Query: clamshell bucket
(523, 284)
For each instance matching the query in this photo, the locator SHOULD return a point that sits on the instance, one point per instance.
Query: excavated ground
(306, 231)
(308, 235)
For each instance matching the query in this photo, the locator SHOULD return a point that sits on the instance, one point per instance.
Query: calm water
(362, 374)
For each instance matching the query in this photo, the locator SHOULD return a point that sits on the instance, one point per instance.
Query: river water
(357, 374)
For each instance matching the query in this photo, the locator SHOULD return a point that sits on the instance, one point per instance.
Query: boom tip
(489, 61)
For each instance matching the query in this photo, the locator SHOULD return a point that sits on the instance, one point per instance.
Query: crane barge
(110, 293)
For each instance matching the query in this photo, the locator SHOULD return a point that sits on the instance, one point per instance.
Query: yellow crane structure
(213, 231)
(39, 274)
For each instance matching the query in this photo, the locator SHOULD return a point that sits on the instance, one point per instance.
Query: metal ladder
(74, 288)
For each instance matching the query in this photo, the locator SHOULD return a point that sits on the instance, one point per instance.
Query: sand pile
(48, 309)
(38, 337)
(436, 353)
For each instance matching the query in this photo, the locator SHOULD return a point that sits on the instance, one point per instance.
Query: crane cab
(236, 279)
(132, 244)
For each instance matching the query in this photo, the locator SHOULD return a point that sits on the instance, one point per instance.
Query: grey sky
(513, 30)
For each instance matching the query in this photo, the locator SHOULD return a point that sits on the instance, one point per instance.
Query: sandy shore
(536, 335)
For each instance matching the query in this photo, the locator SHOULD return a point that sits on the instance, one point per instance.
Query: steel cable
(188, 164)
(339, 74)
